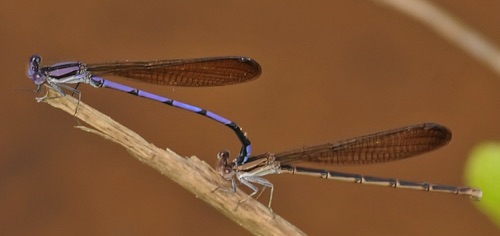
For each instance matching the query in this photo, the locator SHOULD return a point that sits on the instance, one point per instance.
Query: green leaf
(483, 171)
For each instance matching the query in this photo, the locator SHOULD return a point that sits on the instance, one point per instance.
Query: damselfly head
(223, 166)
(34, 72)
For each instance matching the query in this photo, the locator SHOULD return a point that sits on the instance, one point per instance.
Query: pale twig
(451, 28)
(191, 173)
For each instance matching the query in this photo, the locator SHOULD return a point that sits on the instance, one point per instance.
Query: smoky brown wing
(215, 71)
(373, 148)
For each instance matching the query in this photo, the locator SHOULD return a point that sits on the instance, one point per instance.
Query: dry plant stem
(451, 28)
(191, 173)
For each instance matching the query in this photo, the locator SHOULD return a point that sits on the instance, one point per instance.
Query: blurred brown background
(331, 70)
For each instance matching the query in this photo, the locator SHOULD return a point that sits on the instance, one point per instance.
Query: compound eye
(36, 58)
(38, 78)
